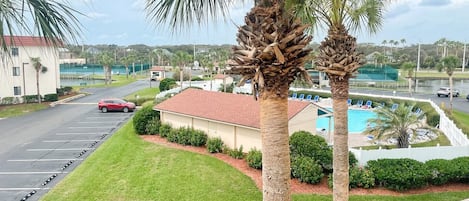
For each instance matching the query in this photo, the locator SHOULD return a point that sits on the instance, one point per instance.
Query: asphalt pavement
(39, 149)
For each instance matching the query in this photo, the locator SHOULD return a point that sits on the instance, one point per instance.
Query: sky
(124, 22)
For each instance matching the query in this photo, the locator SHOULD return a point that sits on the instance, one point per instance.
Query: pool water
(357, 121)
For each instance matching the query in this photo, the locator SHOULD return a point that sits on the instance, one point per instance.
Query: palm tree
(36, 62)
(53, 20)
(271, 53)
(396, 124)
(409, 67)
(449, 64)
(339, 59)
(384, 46)
(403, 41)
(105, 59)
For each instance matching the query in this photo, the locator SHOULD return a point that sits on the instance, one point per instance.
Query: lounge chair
(368, 104)
(418, 111)
(394, 106)
(349, 102)
(301, 97)
(316, 98)
(360, 103)
(294, 95)
(309, 97)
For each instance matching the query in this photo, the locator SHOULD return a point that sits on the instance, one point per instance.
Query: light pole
(24, 80)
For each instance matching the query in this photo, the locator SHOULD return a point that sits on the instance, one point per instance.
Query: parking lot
(29, 171)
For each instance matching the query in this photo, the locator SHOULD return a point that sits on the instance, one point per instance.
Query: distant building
(232, 117)
(219, 79)
(157, 73)
(18, 76)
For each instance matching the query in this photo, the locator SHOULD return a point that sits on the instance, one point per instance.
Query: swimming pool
(357, 120)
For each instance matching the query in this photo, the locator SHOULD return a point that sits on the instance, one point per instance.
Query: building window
(16, 71)
(17, 91)
(14, 51)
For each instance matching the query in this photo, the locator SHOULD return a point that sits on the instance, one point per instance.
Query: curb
(53, 104)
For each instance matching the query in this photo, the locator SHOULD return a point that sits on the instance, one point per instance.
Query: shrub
(153, 126)
(461, 165)
(306, 169)
(236, 153)
(254, 158)
(165, 129)
(215, 145)
(184, 136)
(303, 143)
(142, 117)
(197, 79)
(7, 100)
(352, 160)
(198, 138)
(399, 174)
(173, 135)
(167, 84)
(30, 99)
(361, 178)
(51, 97)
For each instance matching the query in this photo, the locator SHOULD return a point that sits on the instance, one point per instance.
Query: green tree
(105, 59)
(409, 68)
(399, 124)
(36, 62)
(429, 61)
(449, 64)
(53, 20)
(272, 62)
(339, 59)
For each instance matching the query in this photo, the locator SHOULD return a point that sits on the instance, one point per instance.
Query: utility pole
(464, 58)
(417, 69)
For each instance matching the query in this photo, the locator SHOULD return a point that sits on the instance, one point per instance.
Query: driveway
(39, 149)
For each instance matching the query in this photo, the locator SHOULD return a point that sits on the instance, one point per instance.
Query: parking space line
(45, 160)
(71, 140)
(22, 173)
(22, 189)
(80, 133)
(69, 149)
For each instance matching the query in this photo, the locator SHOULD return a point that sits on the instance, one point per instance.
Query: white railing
(421, 154)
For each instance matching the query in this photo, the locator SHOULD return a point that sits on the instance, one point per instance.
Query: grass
(462, 120)
(118, 80)
(144, 93)
(128, 168)
(21, 109)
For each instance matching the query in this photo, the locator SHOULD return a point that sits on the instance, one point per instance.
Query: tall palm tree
(105, 59)
(339, 59)
(409, 67)
(271, 53)
(397, 124)
(36, 62)
(449, 64)
(403, 42)
(384, 46)
(53, 20)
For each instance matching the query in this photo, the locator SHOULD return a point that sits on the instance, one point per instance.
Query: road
(37, 150)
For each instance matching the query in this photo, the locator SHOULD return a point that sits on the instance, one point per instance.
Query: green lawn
(118, 80)
(144, 93)
(462, 121)
(20, 109)
(128, 168)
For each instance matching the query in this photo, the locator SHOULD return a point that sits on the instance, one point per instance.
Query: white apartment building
(17, 74)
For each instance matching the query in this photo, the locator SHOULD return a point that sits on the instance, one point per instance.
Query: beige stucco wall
(304, 120)
(176, 121)
(249, 138)
(48, 81)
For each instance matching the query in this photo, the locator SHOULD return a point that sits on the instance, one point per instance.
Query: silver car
(445, 91)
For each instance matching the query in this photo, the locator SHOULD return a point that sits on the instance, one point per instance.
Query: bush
(167, 84)
(198, 138)
(153, 127)
(254, 158)
(197, 79)
(142, 117)
(51, 97)
(215, 145)
(165, 129)
(399, 174)
(173, 135)
(236, 153)
(442, 171)
(306, 169)
(361, 178)
(30, 99)
(461, 168)
(303, 143)
(352, 160)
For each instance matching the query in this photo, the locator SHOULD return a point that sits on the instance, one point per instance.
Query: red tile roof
(26, 41)
(220, 76)
(156, 68)
(225, 107)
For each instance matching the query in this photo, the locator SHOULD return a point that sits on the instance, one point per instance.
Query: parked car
(445, 91)
(115, 104)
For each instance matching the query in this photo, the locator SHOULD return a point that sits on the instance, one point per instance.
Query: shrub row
(187, 136)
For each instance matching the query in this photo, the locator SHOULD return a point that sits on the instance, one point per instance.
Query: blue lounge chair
(316, 98)
(418, 111)
(301, 97)
(368, 104)
(309, 97)
(349, 102)
(394, 106)
(360, 103)
(294, 95)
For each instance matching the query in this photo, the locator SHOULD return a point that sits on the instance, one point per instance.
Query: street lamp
(24, 80)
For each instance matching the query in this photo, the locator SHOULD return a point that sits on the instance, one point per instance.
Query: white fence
(421, 154)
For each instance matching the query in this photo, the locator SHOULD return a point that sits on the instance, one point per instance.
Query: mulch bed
(296, 186)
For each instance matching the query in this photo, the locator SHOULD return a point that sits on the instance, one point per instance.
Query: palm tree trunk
(340, 93)
(403, 140)
(275, 146)
(37, 87)
(410, 85)
(451, 94)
